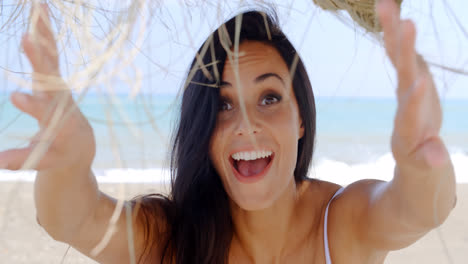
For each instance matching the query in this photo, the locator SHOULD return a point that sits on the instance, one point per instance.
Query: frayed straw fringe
(361, 11)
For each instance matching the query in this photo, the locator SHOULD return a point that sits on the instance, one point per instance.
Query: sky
(340, 58)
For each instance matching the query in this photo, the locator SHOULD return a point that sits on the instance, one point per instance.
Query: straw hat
(361, 11)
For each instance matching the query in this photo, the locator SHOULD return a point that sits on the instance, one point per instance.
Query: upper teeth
(251, 155)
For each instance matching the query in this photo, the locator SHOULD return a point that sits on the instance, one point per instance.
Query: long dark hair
(197, 214)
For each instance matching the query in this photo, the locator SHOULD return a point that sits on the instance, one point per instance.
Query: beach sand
(22, 240)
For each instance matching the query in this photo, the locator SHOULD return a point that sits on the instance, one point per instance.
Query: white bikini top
(325, 235)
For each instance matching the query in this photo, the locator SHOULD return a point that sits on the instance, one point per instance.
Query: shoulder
(319, 191)
(356, 197)
(351, 199)
(315, 195)
(352, 202)
(344, 213)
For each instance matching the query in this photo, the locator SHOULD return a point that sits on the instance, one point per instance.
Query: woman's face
(256, 158)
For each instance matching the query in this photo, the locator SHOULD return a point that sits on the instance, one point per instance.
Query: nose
(247, 125)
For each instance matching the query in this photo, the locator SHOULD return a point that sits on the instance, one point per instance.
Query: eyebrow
(259, 79)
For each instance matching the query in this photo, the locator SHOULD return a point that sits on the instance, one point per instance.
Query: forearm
(64, 199)
(426, 194)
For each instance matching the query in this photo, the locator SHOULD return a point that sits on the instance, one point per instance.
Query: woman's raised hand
(65, 138)
(415, 139)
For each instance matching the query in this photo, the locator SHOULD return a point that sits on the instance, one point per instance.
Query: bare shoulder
(355, 199)
(344, 231)
(351, 199)
(319, 192)
(315, 195)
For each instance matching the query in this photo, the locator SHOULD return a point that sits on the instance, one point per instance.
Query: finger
(41, 29)
(39, 107)
(43, 59)
(432, 154)
(39, 45)
(43, 25)
(416, 95)
(46, 75)
(34, 157)
(14, 159)
(408, 66)
(388, 13)
(408, 126)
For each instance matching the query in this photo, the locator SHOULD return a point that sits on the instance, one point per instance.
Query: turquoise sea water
(357, 129)
(135, 132)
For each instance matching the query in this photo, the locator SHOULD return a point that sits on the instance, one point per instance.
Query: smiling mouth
(251, 167)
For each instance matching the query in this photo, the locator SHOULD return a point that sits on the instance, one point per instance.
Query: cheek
(286, 126)
(285, 121)
(219, 141)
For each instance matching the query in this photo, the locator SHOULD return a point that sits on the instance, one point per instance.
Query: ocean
(133, 136)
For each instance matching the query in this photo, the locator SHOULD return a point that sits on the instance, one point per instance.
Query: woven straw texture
(361, 11)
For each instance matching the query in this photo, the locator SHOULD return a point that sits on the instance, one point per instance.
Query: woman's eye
(271, 99)
(225, 106)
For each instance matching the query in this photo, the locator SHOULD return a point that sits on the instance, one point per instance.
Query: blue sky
(340, 58)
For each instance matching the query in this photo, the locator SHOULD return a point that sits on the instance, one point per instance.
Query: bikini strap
(325, 235)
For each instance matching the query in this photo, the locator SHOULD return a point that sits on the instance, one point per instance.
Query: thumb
(33, 105)
(432, 154)
(13, 159)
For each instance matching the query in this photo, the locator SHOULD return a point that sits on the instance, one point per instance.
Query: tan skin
(275, 220)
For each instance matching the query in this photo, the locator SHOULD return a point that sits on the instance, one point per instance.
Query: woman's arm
(422, 193)
(69, 205)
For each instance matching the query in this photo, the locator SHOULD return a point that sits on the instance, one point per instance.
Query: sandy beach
(22, 240)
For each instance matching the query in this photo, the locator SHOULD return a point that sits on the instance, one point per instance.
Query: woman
(240, 160)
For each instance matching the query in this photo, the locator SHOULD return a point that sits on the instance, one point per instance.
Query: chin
(258, 196)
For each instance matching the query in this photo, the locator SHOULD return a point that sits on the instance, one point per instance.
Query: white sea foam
(344, 174)
(382, 169)
(155, 175)
(325, 169)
